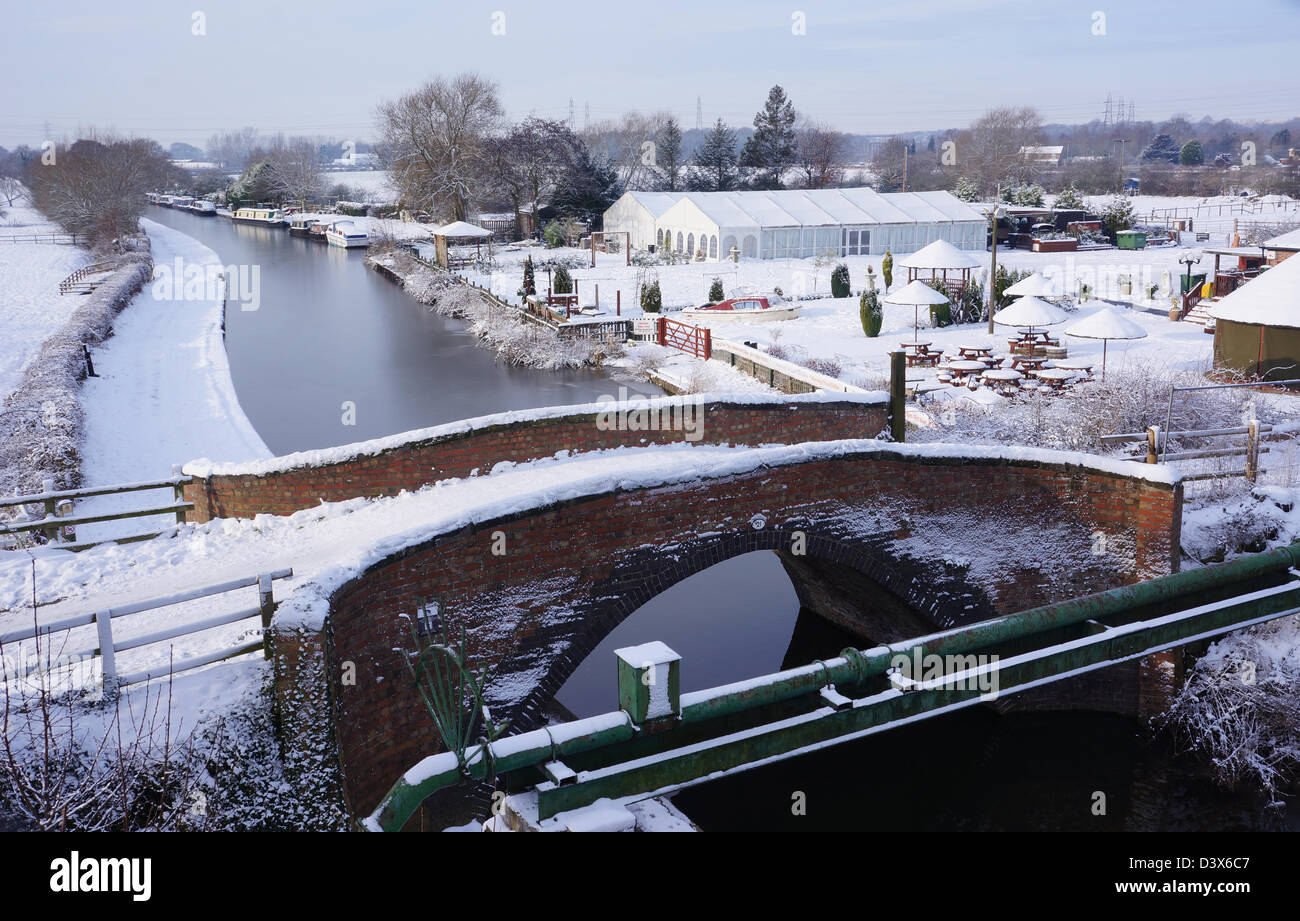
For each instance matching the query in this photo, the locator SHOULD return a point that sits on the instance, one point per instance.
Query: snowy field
(373, 184)
(1216, 215)
(31, 307)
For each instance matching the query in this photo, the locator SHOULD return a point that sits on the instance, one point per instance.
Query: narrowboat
(346, 234)
(300, 226)
(203, 208)
(265, 216)
(748, 309)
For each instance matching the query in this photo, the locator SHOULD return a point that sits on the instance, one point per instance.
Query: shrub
(1070, 198)
(716, 293)
(887, 270)
(828, 366)
(941, 315)
(652, 300)
(840, 281)
(871, 313)
(553, 234)
(563, 281)
(530, 282)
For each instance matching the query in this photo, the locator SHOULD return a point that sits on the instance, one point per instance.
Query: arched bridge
(936, 536)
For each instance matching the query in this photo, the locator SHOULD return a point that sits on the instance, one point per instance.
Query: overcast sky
(321, 67)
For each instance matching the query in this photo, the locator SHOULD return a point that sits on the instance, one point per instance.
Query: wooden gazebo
(459, 233)
(943, 261)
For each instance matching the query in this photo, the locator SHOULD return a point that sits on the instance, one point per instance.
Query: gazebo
(459, 233)
(939, 259)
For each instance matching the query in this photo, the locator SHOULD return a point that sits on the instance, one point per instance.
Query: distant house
(1043, 156)
(1282, 247)
(357, 161)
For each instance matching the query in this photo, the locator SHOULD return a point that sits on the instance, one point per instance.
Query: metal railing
(108, 647)
(59, 524)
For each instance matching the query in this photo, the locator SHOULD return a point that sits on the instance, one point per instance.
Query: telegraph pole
(993, 271)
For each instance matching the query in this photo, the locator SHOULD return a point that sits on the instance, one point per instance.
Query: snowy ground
(373, 184)
(31, 307)
(163, 395)
(1216, 215)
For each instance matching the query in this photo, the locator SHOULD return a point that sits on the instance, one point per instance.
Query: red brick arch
(949, 539)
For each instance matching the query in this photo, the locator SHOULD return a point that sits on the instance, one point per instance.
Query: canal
(330, 331)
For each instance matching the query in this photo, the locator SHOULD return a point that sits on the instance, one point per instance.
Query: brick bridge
(933, 535)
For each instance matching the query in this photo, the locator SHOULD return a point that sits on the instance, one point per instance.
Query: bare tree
(293, 171)
(991, 149)
(820, 155)
(629, 146)
(436, 139)
(98, 188)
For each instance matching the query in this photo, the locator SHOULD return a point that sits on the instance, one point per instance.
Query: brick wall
(946, 536)
(423, 460)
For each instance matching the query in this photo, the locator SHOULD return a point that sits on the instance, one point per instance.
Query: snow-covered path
(164, 393)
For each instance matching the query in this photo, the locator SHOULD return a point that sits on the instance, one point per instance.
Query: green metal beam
(619, 759)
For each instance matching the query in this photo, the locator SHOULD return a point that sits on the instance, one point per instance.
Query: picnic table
(974, 351)
(1003, 378)
(1027, 362)
(967, 367)
(916, 346)
(1076, 364)
(1054, 377)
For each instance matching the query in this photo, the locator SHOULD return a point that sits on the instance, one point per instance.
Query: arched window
(713, 247)
(679, 241)
(751, 247)
(728, 244)
(659, 239)
(690, 244)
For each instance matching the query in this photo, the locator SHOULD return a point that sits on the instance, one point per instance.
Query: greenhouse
(796, 224)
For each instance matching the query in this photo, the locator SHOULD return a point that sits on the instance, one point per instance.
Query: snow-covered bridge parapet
(891, 541)
(408, 461)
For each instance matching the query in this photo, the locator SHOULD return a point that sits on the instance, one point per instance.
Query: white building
(796, 223)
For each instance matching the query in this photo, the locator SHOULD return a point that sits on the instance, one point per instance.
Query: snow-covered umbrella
(916, 294)
(1106, 325)
(1034, 286)
(1029, 313)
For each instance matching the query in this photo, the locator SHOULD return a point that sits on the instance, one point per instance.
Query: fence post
(51, 511)
(897, 397)
(661, 329)
(178, 493)
(1252, 450)
(104, 627)
(1153, 443)
(266, 602)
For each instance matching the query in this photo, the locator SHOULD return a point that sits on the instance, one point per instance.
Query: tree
(530, 284)
(1070, 198)
(716, 292)
(1116, 215)
(563, 282)
(990, 150)
(587, 186)
(293, 172)
(820, 155)
(652, 300)
(530, 162)
(435, 141)
(668, 155)
(870, 313)
(840, 281)
(1162, 147)
(771, 149)
(1192, 154)
(715, 161)
(967, 189)
(887, 270)
(887, 165)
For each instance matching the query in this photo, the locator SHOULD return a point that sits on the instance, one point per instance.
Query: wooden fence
(1157, 443)
(61, 239)
(78, 283)
(697, 340)
(58, 524)
(108, 648)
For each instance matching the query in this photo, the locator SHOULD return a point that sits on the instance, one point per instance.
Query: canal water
(328, 330)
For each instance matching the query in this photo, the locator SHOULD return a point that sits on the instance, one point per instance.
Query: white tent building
(796, 223)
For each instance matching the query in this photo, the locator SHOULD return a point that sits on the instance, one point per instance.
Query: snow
(940, 255)
(163, 393)
(1287, 241)
(1106, 324)
(1272, 299)
(31, 308)
(916, 294)
(322, 457)
(1030, 312)
(462, 229)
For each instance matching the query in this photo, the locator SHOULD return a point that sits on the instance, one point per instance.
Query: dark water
(329, 331)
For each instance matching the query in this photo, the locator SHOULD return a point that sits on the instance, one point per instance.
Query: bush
(828, 366)
(941, 315)
(1070, 198)
(652, 300)
(563, 281)
(887, 270)
(530, 282)
(840, 281)
(871, 313)
(553, 234)
(716, 293)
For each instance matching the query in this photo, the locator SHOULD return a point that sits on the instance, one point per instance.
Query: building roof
(818, 207)
(1287, 241)
(940, 255)
(656, 202)
(1272, 299)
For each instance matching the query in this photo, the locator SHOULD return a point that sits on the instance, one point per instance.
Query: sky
(181, 71)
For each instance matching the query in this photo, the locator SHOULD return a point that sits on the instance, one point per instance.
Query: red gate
(684, 336)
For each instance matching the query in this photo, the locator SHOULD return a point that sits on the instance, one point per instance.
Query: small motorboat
(203, 208)
(346, 234)
(302, 226)
(746, 309)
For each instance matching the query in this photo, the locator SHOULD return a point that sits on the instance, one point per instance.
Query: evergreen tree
(668, 155)
(530, 284)
(651, 298)
(716, 292)
(715, 161)
(840, 281)
(1192, 153)
(967, 189)
(887, 270)
(771, 149)
(1070, 198)
(562, 282)
(871, 313)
